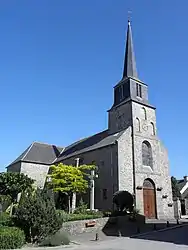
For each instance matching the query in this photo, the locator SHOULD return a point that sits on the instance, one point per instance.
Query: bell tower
(130, 89)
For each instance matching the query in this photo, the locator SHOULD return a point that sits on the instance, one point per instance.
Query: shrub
(123, 200)
(107, 213)
(37, 216)
(63, 215)
(73, 217)
(5, 220)
(58, 239)
(11, 237)
(81, 209)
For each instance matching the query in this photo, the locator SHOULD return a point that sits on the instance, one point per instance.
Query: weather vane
(129, 15)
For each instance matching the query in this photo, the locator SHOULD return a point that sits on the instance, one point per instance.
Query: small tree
(37, 216)
(11, 184)
(123, 200)
(69, 179)
(175, 188)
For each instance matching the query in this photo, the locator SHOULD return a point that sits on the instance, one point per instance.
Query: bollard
(138, 229)
(154, 227)
(167, 224)
(97, 237)
(119, 233)
(178, 222)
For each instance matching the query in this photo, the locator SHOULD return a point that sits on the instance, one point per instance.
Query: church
(129, 155)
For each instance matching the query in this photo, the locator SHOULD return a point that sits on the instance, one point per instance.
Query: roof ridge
(27, 151)
(58, 156)
(45, 143)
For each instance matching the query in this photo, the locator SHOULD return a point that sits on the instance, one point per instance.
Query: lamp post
(92, 177)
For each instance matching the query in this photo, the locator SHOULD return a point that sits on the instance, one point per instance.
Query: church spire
(129, 61)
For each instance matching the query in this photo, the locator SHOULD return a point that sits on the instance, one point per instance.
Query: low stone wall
(77, 227)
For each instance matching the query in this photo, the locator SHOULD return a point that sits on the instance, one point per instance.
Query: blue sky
(59, 61)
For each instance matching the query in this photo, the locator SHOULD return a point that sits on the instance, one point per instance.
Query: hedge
(73, 217)
(6, 220)
(11, 237)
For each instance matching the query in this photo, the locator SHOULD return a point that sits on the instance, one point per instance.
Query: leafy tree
(11, 184)
(36, 216)
(69, 179)
(175, 188)
(123, 200)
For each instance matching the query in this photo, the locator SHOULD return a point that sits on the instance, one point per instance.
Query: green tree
(11, 184)
(36, 216)
(69, 179)
(175, 188)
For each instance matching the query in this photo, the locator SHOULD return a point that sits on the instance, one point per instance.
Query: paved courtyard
(168, 240)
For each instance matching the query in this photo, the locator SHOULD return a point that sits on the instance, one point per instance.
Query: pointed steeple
(129, 61)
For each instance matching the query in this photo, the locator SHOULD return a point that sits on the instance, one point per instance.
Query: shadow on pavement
(178, 236)
(123, 227)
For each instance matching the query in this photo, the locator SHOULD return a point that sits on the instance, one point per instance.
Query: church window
(139, 90)
(152, 129)
(104, 193)
(102, 163)
(81, 161)
(116, 96)
(121, 93)
(143, 113)
(137, 125)
(126, 90)
(147, 159)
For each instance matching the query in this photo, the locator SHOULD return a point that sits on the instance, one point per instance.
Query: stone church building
(129, 154)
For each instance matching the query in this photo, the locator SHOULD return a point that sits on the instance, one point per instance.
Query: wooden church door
(149, 199)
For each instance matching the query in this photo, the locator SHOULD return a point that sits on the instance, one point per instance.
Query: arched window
(148, 184)
(137, 125)
(152, 128)
(147, 159)
(143, 113)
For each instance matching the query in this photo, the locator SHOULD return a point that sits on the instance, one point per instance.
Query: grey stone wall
(125, 163)
(109, 225)
(37, 172)
(186, 206)
(159, 173)
(14, 168)
(77, 227)
(119, 118)
(177, 208)
(106, 160)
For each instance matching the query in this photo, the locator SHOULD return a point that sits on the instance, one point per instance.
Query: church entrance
(149, 199)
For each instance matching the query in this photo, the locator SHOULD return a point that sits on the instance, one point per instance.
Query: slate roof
(93, 142)
(39, 153)
(130, 62)
(181, 184)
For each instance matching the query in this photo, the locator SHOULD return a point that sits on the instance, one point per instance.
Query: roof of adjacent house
(39, 153)
(93, 142)
(181, 183)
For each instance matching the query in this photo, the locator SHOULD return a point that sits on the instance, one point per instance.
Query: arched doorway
(149, 199)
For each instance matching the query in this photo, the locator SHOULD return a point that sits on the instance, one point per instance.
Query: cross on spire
(129, 15)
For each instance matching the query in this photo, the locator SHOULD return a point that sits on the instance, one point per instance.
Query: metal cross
(129, 15)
